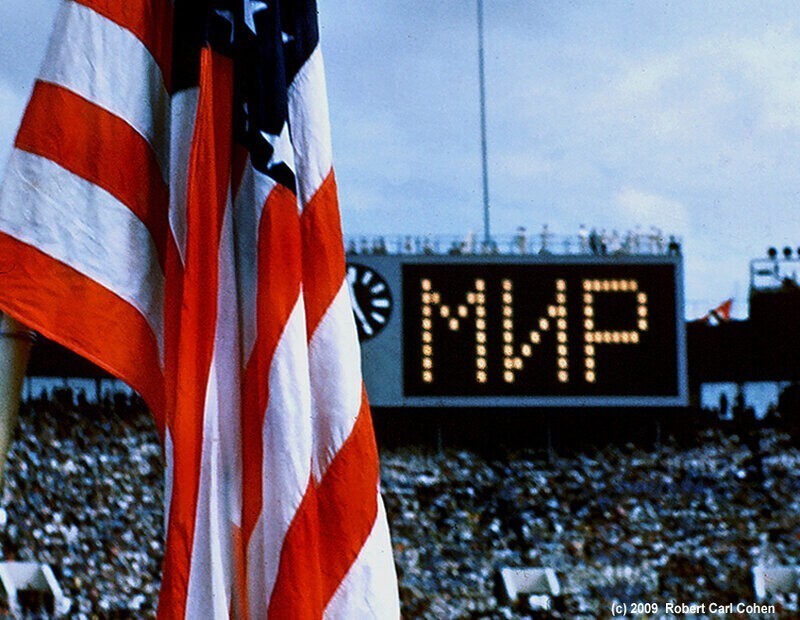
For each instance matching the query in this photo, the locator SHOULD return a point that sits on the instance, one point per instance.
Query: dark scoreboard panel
(520, 331)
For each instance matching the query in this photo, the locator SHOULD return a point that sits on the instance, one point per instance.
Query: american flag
(169, 211)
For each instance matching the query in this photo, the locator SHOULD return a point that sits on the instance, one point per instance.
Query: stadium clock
(371, 300)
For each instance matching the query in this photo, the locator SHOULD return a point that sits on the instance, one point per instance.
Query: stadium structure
(545, 453)
(543, 329)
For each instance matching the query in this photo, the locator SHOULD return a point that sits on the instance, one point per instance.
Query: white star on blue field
(282, 147)
(680, 115)
(251, 7)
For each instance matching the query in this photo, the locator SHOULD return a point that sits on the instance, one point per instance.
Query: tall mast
(484, 164)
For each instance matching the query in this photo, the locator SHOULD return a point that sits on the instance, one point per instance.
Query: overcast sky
(684, 115)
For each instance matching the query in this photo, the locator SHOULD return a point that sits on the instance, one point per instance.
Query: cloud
(639, 207)
(724, 87)
(771, 64)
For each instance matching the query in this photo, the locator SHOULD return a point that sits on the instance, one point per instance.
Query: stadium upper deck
(599, 243)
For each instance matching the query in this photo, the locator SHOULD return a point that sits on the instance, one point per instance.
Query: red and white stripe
(133, 231)
(84, 233)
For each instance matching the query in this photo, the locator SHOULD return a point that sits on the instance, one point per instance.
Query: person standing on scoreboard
(583, 239)
(545, 249)
(521, 241)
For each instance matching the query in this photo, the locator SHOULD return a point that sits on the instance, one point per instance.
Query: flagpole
(484, 160)
(15, 348)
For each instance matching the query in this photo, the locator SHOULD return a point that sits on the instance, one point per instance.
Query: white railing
(521, 243)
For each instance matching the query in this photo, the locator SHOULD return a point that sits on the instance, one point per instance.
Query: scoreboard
(505, 331)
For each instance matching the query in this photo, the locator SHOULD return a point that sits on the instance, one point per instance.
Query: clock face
(371, 300)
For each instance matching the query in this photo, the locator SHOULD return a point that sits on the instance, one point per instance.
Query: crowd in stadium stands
(623, 524)
(678, 520)
(595, 242)
(84, 494)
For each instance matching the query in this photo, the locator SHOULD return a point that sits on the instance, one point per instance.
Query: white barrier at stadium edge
(768, 579)
(539, 584)
(20, 576)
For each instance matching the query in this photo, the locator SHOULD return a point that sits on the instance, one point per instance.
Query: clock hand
(360, 314)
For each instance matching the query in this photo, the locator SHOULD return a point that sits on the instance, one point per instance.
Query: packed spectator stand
(675, 520)
(84, 494)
